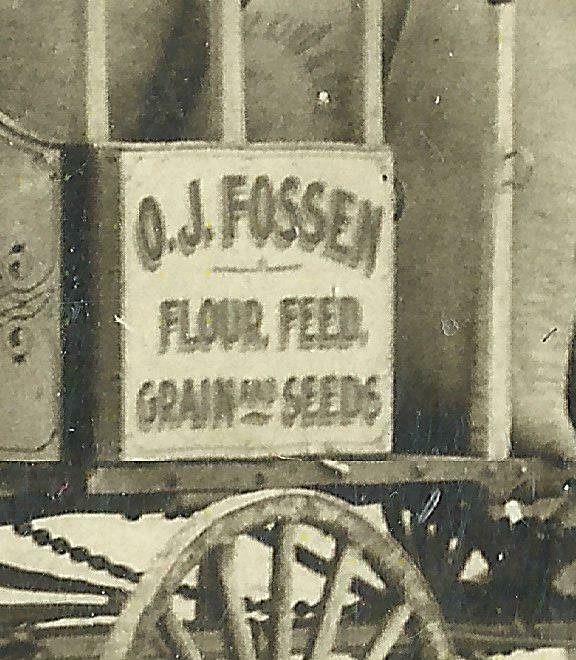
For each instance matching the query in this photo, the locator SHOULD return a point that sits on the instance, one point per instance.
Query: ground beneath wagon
(135, 544)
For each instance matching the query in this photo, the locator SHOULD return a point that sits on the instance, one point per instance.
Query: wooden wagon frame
(267, 498)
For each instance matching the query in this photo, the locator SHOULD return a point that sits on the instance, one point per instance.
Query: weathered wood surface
(30, 296)
(155, 484)
(525, 478)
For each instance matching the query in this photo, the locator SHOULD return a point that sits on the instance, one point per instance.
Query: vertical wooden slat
(97, 127)
(228, 106)
(491, 411)
(372, 73)
(500, 430)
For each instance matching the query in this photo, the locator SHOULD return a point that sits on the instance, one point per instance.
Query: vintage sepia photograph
(287, 329)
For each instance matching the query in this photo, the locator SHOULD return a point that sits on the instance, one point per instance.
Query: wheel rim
(358, 546)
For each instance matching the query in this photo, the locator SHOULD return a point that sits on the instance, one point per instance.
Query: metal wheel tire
(358, 547)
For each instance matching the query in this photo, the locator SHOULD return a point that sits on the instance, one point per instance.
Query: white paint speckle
(122, 322)
(450, 327)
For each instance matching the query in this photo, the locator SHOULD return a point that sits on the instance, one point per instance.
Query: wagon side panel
(30, 300)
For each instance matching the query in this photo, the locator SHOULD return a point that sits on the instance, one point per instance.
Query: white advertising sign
(258, 303)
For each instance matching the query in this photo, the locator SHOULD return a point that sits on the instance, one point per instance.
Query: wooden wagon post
(97, 114)
(491, 414)
(226, 74)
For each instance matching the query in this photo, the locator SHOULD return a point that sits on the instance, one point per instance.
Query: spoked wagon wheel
(355, 549)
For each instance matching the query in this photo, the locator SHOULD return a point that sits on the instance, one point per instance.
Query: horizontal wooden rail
(525, 478)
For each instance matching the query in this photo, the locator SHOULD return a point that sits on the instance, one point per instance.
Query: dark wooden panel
(106, 290)
(441, 116)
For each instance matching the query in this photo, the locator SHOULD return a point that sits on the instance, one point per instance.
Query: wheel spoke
(238, 629)
(281, 589)
(223, 627)
(333, 600)
(180, 639)
(317, 564)
(390, 633)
